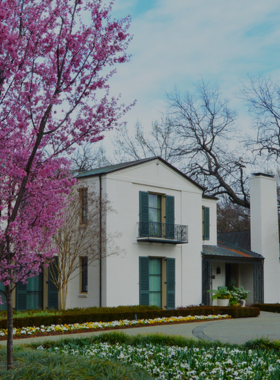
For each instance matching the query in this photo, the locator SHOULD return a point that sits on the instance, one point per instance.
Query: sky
(178, 42)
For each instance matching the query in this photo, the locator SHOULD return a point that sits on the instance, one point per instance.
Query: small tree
(53, 96)
(76, 239)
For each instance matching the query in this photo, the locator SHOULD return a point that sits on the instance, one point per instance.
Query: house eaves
(125, 165)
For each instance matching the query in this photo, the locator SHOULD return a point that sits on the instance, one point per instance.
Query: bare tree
(80, 237)
(263, 98)
(88, 156)
(232, 218)
(160, 142)
(199, 137)
(206, 131)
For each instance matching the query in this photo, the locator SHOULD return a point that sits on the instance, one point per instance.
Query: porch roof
(224, 249)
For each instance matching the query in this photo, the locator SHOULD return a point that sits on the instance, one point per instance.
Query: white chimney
(264, 231)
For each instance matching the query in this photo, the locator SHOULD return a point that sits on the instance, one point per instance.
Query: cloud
(176, 42)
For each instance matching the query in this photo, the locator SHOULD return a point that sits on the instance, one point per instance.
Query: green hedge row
(67, 318)
(112, 309)
(79, 310)
(272, 307)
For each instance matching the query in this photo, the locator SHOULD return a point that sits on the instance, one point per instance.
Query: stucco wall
(123, 271)
(246, 279)
(120, 272)
(74, 297)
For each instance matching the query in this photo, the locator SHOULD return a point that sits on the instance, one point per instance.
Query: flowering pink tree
(53, 96)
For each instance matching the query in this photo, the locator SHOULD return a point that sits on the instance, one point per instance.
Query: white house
(169, 235)
(170, 255)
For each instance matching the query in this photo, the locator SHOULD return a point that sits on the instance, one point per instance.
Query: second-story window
(156, 215)
(84, 205)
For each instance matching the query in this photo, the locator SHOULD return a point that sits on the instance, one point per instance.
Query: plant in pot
(222, 295)
(241, 295)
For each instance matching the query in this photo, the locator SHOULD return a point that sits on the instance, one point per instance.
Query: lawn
(118, 356)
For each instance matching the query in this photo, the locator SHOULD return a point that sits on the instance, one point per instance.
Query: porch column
(258, 282)
(206, 280)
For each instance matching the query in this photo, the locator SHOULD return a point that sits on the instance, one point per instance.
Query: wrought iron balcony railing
(162, 232)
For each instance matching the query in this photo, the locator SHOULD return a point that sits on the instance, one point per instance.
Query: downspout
(100, 240)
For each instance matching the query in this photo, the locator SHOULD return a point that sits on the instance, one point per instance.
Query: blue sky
(176, 42)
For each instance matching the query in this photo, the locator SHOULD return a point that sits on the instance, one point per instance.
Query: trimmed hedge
(79, 310)
(272, 307)
(70, 317)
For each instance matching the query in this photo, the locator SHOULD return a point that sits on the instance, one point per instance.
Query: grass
(30, 364)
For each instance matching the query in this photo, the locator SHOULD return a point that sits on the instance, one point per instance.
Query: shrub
(272, 307)
(263, 344)
(70, 317)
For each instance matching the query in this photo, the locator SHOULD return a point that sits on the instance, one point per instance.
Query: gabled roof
(125, 165)
(228, 250)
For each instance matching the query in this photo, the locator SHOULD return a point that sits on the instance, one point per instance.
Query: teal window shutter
(143, 214)
(21, 296)
(170, 283)
(143, 280)
(34, 292)
(170, 219)
(52, 288)
(3, 306)
(206, 223)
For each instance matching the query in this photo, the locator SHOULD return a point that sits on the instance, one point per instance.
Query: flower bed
(163, 362)
(92, 326)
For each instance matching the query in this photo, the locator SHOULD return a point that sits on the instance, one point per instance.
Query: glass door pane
(155, 215)
(155, 282)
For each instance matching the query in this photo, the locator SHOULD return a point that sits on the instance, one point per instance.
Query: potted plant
(241, 295)
(222, 295)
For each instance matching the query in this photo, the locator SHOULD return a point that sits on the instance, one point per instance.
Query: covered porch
(225, 264)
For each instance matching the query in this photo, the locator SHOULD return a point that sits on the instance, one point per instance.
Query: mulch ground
(105, 329)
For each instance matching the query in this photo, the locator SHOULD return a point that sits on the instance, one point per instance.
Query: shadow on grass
(30, 364)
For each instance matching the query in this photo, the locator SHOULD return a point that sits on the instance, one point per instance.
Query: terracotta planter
(223, 302)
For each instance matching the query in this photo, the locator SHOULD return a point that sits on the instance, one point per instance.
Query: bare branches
(263, 99)
(159, 143)
(76, 239)
(87, 157)
(199, 137)
(232, 218)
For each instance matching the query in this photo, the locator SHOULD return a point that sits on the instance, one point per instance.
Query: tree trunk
(62, 297)
(10, 358)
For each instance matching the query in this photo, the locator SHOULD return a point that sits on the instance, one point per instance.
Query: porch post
(206, 280)
(258, 281)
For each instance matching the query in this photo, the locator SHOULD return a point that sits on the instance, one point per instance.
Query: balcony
(162, 233)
